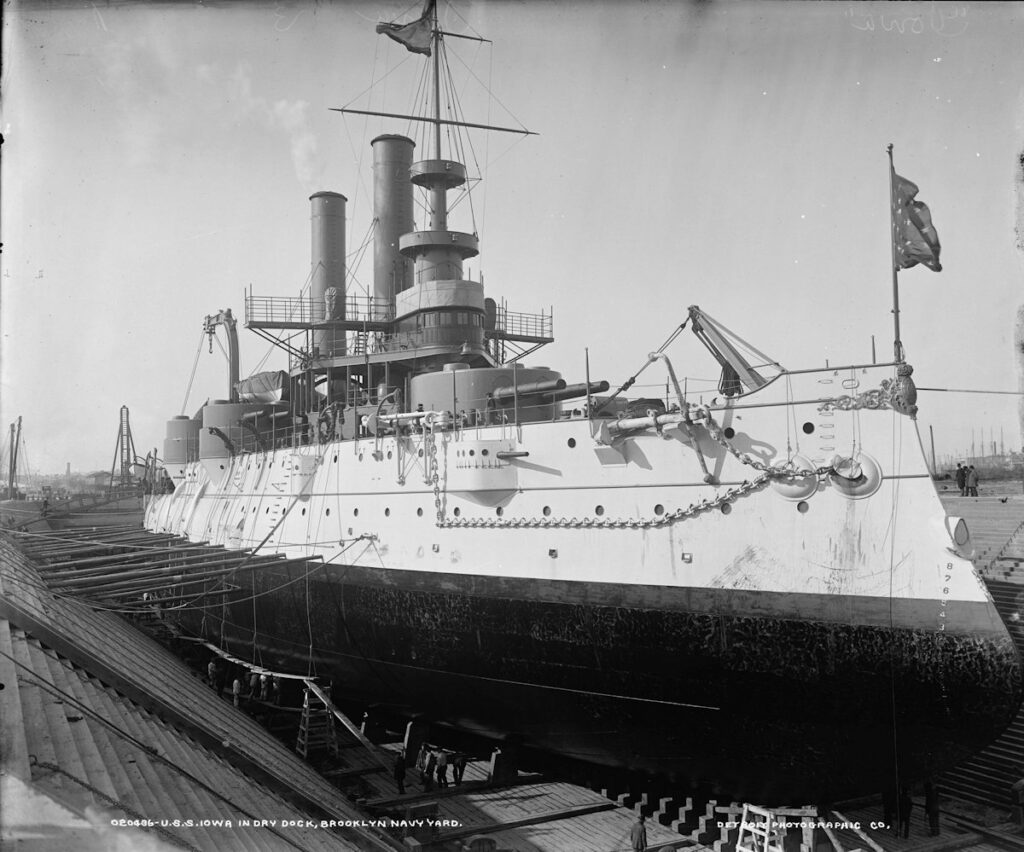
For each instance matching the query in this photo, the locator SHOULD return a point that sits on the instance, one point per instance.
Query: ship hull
(657, 599)
(773, 698)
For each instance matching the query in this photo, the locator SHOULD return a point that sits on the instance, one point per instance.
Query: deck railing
(517, 324)
(304, 310)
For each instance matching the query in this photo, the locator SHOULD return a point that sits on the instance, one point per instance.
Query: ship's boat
(756, 588)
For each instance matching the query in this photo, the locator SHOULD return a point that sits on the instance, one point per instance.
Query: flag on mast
(416, 35)
(914, 237)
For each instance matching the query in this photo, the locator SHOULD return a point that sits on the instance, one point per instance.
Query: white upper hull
(633, 510)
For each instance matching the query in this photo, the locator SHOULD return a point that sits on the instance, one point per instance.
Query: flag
(914, 237)
(416, 36)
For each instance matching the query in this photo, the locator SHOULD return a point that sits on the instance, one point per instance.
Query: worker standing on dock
(458, 767)
(442, 768)
(972, 482)
(638, 835)
(400, 772)
(236, 688)
(961, 479)
(421, 763)
(428, 780)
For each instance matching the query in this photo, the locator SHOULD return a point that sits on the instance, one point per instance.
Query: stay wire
(893, 517)
(191, 378)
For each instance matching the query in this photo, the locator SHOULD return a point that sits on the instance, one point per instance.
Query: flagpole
(897, 343)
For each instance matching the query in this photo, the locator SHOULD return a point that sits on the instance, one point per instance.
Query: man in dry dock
(458, 768)
(428, 780)
(400, 772)
(442, 768)
(638, 835)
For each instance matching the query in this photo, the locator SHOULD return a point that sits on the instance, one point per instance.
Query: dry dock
(107, 736)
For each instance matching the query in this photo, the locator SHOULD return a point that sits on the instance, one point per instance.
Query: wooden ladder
(316, 728)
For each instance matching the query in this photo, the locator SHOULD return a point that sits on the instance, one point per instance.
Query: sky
(158, 160)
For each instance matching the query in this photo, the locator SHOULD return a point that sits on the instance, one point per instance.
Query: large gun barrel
(550, 391)
(526, 389)
(573, 391)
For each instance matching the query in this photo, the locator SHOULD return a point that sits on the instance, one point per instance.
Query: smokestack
(392, 211)
(327, 212)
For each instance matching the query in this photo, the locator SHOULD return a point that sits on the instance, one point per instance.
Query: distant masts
(124, 453)
(15, 443)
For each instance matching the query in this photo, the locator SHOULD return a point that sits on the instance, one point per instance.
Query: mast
(438, 193)
(436, 36)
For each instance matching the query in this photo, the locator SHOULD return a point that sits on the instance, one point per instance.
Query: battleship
(755, 589)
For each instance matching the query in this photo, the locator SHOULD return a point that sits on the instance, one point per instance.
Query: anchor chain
(898, 394)
(730, 495)
(888, 395)
(786, 472)
(879, 398)
(430, 438)
(694, 509)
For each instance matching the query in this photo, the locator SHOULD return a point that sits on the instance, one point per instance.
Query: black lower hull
(728, 689)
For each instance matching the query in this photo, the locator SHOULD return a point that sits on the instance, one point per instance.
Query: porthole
(335, 458)
(547, 511)
(485, 452)
(360, 457)
(571, 442)
(729, 432)
(419, 512)
(472, 452)
(327, 511)
(222, 467)
(802, 506)
(419, 453)
(355, 513)
(726, 508)
(808, 428)
(387, 511)
(599, 510)
(457, 511)
(499, 511)
(254, 509)
(303, 512)
(389, 453)
(267, 512)
(659, 509)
